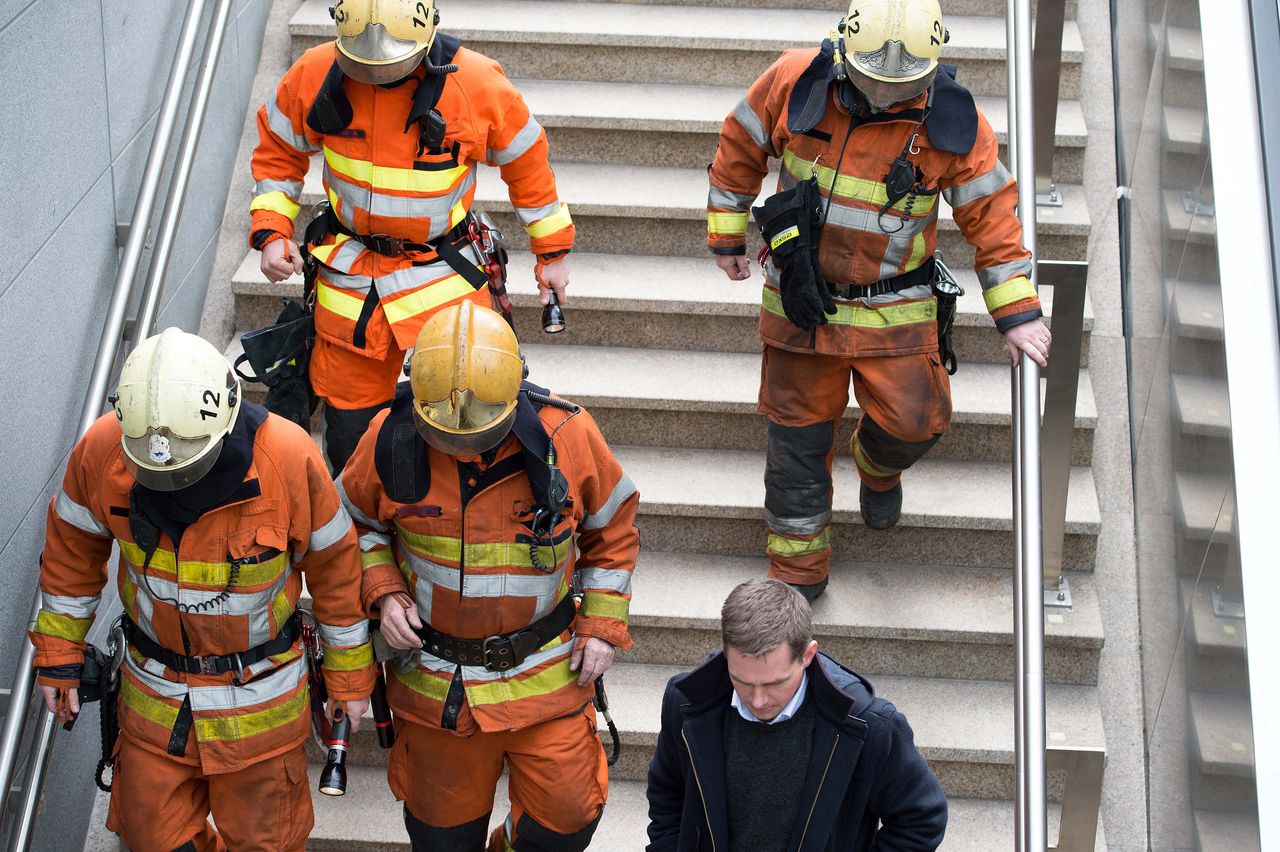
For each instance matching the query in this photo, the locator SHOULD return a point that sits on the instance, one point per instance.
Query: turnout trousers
(558, 783)
(161, 803)
(906, 405)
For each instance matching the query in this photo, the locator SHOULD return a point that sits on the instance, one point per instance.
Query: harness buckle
(208, 664)
(384, 244)
(499, 653)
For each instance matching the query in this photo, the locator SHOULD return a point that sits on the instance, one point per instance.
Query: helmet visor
(467, 443)
(462, 411)
(378, 75)
(882, 95)
(172, 463)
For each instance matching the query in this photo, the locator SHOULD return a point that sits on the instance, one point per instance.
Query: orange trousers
(906, 404)
(159, 804)
(558, 783)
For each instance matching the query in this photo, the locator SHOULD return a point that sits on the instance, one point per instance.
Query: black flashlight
(552, 314)
(333, 778)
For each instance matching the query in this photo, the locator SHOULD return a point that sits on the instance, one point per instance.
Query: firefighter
(400, 116)
(218, 509)
(484, 505)
(849, 287)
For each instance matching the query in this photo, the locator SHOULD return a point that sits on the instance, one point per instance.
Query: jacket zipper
(711, 835)
(816, 795)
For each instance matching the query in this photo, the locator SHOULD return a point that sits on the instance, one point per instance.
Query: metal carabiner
(911, 146)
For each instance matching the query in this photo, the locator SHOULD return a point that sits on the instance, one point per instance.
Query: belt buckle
(387, 245)
(208, 665)
(499, 653)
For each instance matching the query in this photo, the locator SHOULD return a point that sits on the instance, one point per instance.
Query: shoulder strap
(952, 121)
(808, 102)
(331, 110)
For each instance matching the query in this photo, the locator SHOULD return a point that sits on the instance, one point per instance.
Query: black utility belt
(393, 246)
(212, 664)
(922, 274)
(502, 652)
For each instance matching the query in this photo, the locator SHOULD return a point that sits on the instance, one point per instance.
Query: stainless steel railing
(113, 333)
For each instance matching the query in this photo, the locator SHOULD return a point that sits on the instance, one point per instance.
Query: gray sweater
(764, 777)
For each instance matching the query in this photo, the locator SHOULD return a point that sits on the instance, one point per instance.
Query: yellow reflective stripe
(425, 683)
(151, 709)
(427, 298)
(205, 573)
(456, 215)
(129, 595)
(595, 605)
(864, 463)
(543, 683)
(548, 226)
(860, 189)
(1013, 290)
(348, 659)
(789, 234)
(386, 177)
(340, 303)
(372, 558)
(860, 316)
(439, 548)
(727, 223)
(276, 202)
(281, 609)
(62, 626)
(443, 548)
(781, 546)
(917, 252)
(246, 725)
(323, 253)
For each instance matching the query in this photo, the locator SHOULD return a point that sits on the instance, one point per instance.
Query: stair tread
(1211, 634)
(1183, 47)
(1196, 309)
(697, 108)
(647, 25)
(1227, 831)
(1201, 502)
(671, 285)
(1222, 727)
(864, 600)
(730, 484)
(1181, 224)
(931, 705)
(672, 192)
(1200, 405)
(1184, 129)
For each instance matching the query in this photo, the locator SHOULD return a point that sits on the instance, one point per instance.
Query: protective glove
(789, 222)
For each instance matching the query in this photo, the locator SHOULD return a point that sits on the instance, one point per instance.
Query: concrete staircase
(664, 352)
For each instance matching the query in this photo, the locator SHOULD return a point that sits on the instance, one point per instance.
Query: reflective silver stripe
(727, 200)
(146, 609)
(345, 637)
(260, 627)
(231, 697)
(372, 540)
(345, 257)
(332, 531)
(434, 207)
(153, 679)
(291, 188)
(283, 129)
(602, 516)
(236, 603)
(354, 511)
(357, 283)
(1002, 272)
(529, 215)
(433, 663)
(797, 526)
(409, 278)
(751, 123)
(83, 607)
(980, 187)
(519, 143)
(78, 516)
(543, 587)
(604, 579)
(859, 219)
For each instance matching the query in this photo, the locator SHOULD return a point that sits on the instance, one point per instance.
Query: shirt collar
(787, 712)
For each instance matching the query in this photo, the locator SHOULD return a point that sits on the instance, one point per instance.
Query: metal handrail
(23, 685)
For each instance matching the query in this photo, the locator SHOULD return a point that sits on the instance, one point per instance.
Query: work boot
(880, 509)
(812, 591)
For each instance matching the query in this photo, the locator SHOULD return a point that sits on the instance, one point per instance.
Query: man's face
(767, 683)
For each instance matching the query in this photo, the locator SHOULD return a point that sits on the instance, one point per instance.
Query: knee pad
(797, 480)
(468, 837)
(887, 452)
(536, 837)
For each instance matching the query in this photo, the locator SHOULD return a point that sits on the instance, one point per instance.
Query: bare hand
(399, 619)
(591, 658)
(354, 710)
(1032, 338)
(553, 275)
(280, 259)
(735, 266)
(63, 710)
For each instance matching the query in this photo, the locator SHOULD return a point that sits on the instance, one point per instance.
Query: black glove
(789, 222)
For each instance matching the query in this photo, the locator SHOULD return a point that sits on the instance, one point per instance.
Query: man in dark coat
(770, 746)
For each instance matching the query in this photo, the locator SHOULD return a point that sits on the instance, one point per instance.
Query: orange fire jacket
(295, 523)
(470, 570)
(379, 179)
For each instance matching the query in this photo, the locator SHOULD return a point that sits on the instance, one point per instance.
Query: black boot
(880, 509)
(811, 592)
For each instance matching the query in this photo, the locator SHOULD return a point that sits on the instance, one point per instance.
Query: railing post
(1050, 18)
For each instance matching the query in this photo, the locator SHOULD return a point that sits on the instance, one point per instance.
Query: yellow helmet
(176, 401)
(465, 372)
(381, 41)
(891, 47)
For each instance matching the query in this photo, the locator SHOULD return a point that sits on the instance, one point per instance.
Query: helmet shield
(464, 443)
(881, 95)
(163, 475)
(379, 74)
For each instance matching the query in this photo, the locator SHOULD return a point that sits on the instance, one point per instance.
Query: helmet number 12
(936, 38)
(421, 9)
(210, 398)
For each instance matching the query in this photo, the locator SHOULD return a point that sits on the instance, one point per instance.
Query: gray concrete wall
(80, 84)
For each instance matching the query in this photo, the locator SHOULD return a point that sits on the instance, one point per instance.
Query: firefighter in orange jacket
(401, 116)
(873, 112)
(218, 509)
(484, 505)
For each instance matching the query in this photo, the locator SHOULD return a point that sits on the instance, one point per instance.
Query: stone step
(662, 397)
(646, 210)
(1200, 406)
(956, 623)
(1183, 57)
(661, 302)
(1216, 662)
(1220, 734)
(666, 124)
(1226, 831)
(1195, 310)
(1202, 506)
(676, 44)
(953, 513)
(995, 8)
(1183, 222)
(1184, 130)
